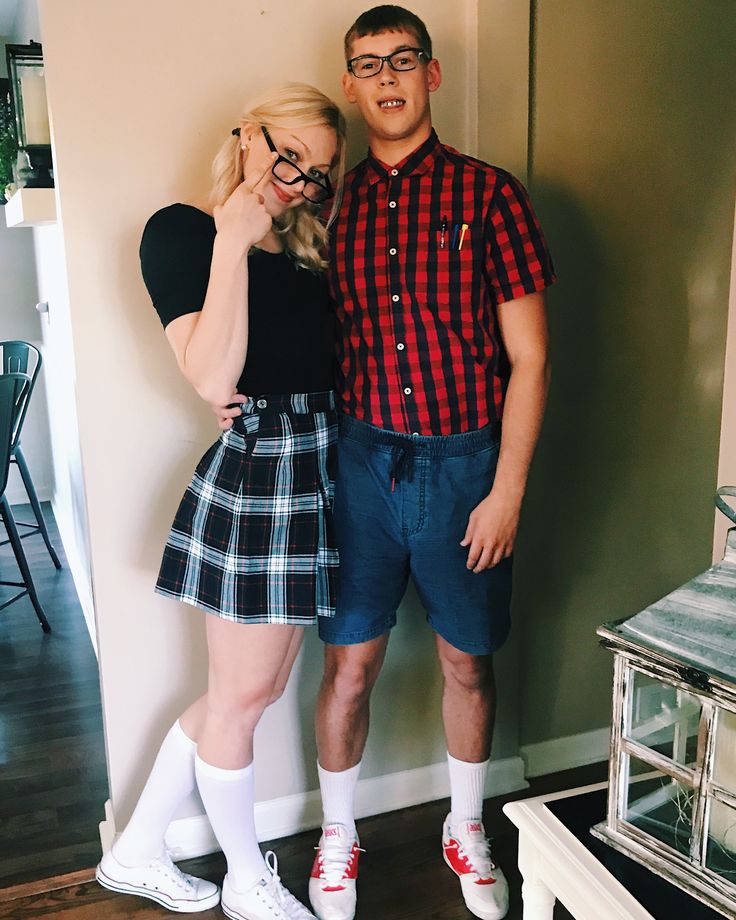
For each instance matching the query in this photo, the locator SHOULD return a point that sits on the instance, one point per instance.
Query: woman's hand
(243, 218)
(225, 414)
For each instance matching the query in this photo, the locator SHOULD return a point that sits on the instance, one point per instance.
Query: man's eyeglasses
(315, 190)
(368, 65)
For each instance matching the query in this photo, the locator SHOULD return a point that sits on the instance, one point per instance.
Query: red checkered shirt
(418, 344)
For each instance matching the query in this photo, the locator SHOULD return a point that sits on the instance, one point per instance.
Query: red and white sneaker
(467, 852)
(335, 870)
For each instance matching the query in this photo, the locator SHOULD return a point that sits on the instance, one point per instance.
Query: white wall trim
(566, 753)
(80, 574)
(291, 814)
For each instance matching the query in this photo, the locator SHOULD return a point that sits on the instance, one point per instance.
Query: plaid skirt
(253, 539)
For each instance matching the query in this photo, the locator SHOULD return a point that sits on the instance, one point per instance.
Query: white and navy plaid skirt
(253, 539)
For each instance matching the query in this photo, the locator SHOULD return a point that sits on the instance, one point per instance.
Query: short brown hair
(388, 18)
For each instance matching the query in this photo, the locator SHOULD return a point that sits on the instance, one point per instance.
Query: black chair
(13, 397)
(23, 358)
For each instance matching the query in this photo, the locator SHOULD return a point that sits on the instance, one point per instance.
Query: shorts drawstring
(402, 463)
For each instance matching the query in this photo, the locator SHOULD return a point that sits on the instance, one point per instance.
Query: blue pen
(454, 236)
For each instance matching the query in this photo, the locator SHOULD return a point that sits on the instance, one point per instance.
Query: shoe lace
(165, 865)
(477, 851)
(290, 908)
(335, 859)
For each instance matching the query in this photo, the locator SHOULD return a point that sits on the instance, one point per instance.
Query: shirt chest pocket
(449, 264)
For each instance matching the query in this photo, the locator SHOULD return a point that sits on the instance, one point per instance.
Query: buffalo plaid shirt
(421, 255)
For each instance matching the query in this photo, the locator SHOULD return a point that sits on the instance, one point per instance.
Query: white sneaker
(467, 852)
(161, 881)
(334, 873)
(266, 900)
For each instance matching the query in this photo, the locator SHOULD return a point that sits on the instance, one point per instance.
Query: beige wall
(632, 174)
(140, 96)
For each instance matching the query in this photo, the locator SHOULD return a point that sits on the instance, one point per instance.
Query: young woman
(238, 283)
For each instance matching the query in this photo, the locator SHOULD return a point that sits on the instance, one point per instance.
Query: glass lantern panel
(664, 718)
(721, 852)
(659, 806)
(724, 760)
(34, 108)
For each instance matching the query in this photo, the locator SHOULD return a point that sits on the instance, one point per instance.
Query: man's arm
(492, 525)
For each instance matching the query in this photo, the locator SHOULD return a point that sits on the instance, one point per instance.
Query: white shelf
(31, 207)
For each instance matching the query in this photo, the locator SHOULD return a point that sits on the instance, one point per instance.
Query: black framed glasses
(315, 190)
(368, 65)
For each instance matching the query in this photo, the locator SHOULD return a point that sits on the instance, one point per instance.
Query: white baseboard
(79, 572)
(566, 753)
(291, 814)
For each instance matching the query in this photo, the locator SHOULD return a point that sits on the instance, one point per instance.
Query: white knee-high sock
(171, 780)
(467, 783)
(338, 796)
(229, 801)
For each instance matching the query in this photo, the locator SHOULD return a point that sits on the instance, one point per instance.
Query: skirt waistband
(297, 403)
(451, 445)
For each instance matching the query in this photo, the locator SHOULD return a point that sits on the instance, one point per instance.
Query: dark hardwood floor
(53, 778)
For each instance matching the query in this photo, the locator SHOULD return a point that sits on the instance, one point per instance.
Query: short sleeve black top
(291, 335)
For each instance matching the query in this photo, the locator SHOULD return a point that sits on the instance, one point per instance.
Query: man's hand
(491, 531)
(225, 415)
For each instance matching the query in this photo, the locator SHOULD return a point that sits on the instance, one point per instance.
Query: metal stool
(13, 398)
(23, 358)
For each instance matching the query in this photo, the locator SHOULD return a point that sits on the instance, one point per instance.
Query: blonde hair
(292, 105)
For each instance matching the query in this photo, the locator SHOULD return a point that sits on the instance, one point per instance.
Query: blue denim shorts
(401, 508)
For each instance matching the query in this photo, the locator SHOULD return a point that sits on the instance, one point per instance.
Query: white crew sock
(467, 783)
(338, 796)
(170, 782)
(229, 801)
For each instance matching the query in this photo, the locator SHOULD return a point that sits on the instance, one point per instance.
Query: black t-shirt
(291, 335)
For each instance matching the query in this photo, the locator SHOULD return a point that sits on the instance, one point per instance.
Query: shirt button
(261, 403)
(392, 251)
(392, 204)
(395, 298)
(415, 434)
(407, 390)
(394, 172)
(401, 346)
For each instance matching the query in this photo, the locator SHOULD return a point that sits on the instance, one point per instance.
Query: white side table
(555, 864)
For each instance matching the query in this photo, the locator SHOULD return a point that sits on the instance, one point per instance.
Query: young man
(437, 268)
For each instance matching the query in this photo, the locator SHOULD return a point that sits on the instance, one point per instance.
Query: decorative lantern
(28, 98)
(672, 779)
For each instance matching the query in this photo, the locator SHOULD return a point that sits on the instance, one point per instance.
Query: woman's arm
(211, 345)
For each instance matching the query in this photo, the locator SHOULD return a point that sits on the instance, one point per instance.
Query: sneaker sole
(180, 907)
(233, 914)
(498, 914)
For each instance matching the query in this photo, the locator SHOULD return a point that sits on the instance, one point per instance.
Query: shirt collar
(417, 162)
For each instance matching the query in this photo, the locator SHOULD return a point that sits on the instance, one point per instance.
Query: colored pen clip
(464, 230)
(443, 231)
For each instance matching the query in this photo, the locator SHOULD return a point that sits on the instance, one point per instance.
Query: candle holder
(672, 779)
(34, 168)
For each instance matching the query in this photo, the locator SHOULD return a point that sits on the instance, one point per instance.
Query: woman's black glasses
(315, 190)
